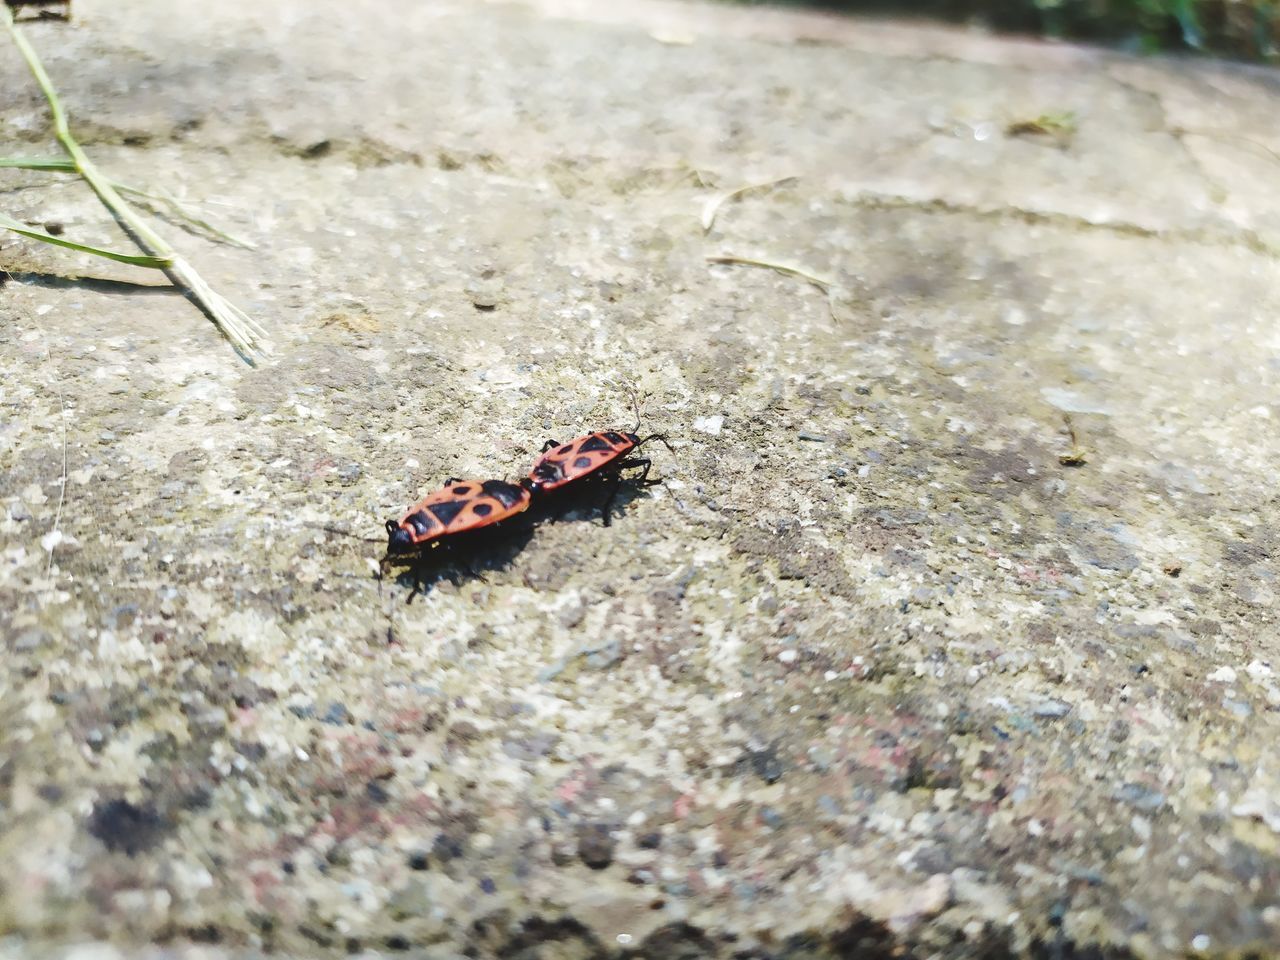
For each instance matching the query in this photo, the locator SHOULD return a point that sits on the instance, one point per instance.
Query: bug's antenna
(348, 533)
(635, 403)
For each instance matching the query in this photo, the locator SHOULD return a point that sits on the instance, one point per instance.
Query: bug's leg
(422, 566)
(608, 501)
(644, 463)
(460, 562)
(562, 507)
(353, 536)
(391, 606)
(550, 445)
(452, 480)
(661, 438)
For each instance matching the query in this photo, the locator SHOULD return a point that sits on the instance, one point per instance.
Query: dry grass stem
(241, 332)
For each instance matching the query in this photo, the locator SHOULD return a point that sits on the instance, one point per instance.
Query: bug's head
(399, 540)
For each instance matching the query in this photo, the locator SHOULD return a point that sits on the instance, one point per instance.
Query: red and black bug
(605, 453)
(459, 507)
(451, 525)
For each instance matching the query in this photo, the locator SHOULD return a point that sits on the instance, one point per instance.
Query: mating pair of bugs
(466, 507)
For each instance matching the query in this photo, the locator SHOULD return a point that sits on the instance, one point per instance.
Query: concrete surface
(892, 665)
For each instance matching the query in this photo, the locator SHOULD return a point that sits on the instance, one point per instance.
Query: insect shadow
(465, 556)
(603, 497)
(95, 284)
(469, 556)
(472, 554)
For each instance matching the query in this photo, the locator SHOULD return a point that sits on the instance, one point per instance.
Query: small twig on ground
(829, 287)
(62, 485)
(1077, 456)
(240, 330)
(1225, 135)
(822, 283)
(713, 205)
(1061, 127)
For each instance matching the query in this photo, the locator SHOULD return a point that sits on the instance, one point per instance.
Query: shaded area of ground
(1242, 29)
(951, 633)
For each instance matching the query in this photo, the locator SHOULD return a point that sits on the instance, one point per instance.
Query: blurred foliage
(1240, 29)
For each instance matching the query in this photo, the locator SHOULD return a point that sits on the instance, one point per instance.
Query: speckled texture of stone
(952, 632)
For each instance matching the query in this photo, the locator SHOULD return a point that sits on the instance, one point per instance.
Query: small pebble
(486, 293)
(709, 425)
(1144, 798)
(770, 817)
(649, 841)
(595, 845)
(1052, 709)
(29, 640)
(336, 715)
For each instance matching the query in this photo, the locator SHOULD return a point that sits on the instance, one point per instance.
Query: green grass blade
(50, 164)
(241, 331)
(155, 263)
(166, 202)
(181, 213)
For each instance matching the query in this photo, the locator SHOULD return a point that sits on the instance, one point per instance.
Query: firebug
(599, 455)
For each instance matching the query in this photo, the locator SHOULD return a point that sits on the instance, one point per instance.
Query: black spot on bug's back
(582, 463)
(507, 494)
(619, 439)
(421, 523)
(482, 509)
(446, 512)
(596, 442)
(548, 470)
(565, 449)
(460, 491)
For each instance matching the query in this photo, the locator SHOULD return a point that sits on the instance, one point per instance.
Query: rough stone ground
(875, 674)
